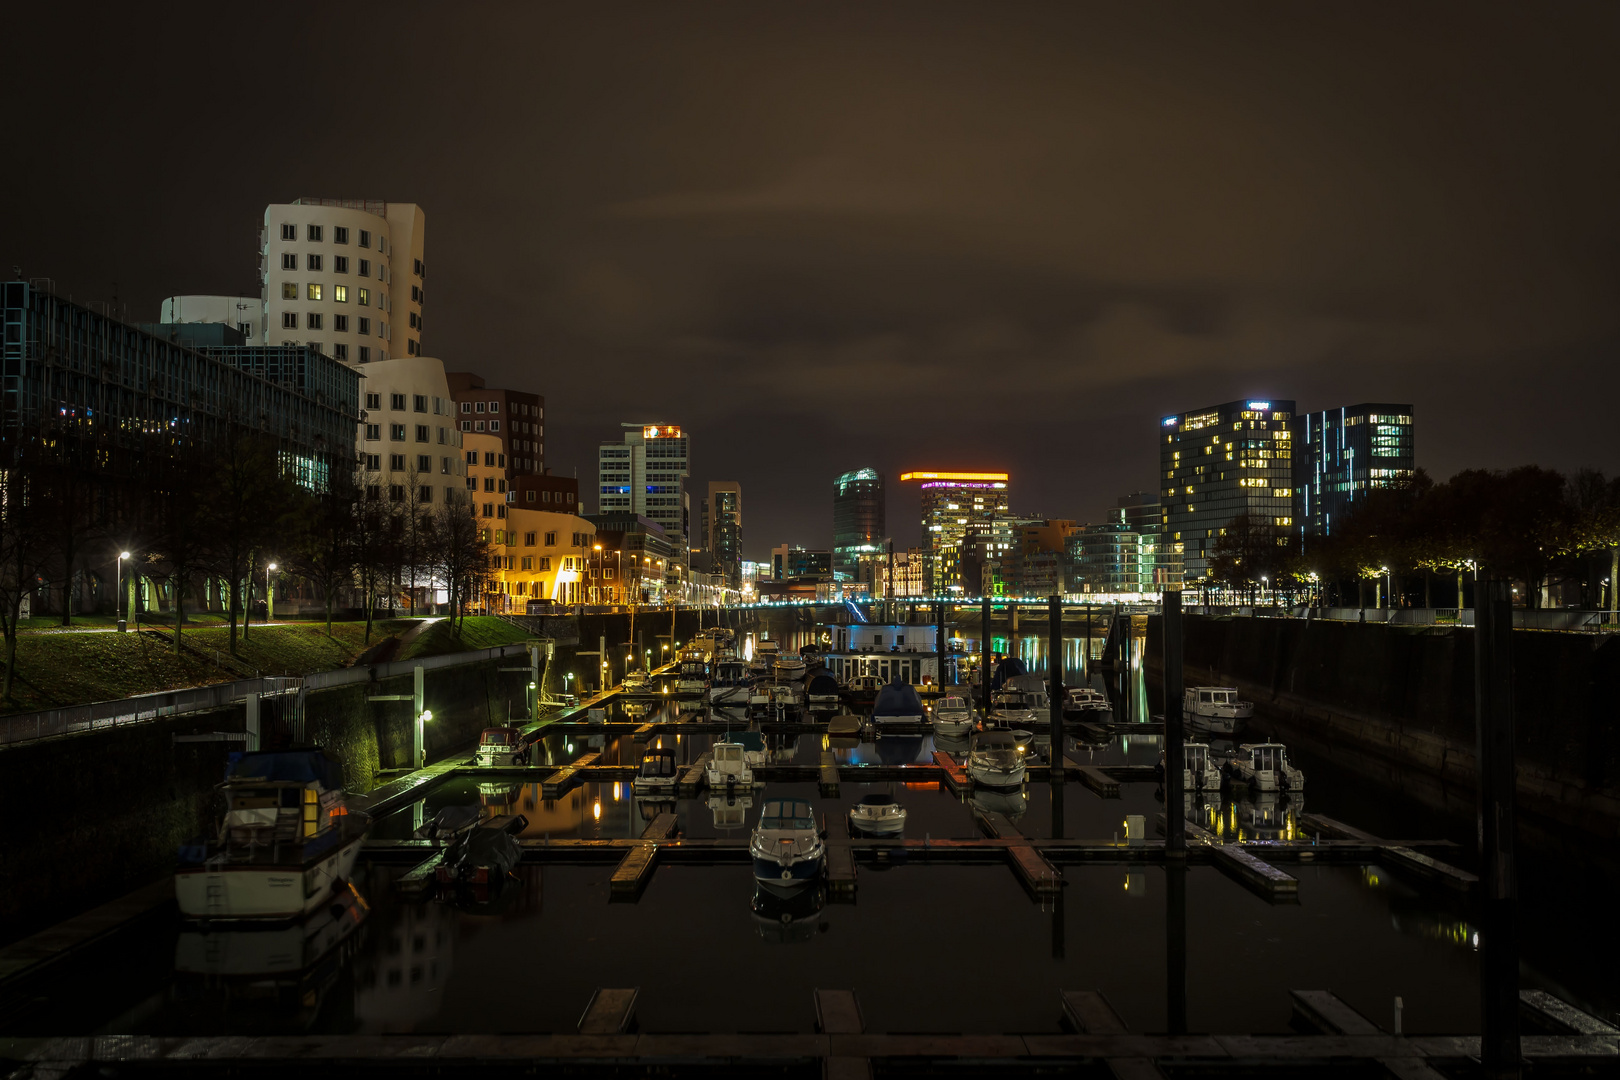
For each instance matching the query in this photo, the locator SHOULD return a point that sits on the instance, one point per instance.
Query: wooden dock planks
(661, 827)
(1040, 877)
(956, 778)
(1257, 874)
(419, 878)
(1094, 778)
(564, 778)
(1326, 1013)
(692, 779)
(829, 775)
(609, 1012)
(841, 872)
(633, 871)
(1090, 1013)
(1397, 856)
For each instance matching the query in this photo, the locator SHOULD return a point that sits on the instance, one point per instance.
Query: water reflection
(400, 982)
(790, 919)
(1012, 803)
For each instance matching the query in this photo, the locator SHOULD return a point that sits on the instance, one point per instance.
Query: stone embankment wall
(1405, 695)
(98, 814)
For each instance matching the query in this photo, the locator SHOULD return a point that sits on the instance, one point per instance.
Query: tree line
(1535, 527)
(198, 516)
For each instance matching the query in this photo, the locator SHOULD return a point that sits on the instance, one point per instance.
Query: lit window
(340, 294)
(289, 290)
(364, 296)
(314, 291)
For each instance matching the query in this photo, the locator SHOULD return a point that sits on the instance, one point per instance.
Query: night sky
(904, 236)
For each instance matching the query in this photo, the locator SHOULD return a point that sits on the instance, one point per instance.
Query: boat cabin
(658, 764)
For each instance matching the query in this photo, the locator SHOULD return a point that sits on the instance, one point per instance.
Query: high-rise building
(859, 520)
(1341, 454)
(645, 475)
(721, 534)
(951, 501)
(1220, 462)
(790, 561)
(516, 418)
(343, 275)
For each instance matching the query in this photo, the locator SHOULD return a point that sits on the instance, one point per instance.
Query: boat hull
(267, 892)
(729, 695)
(786, 878)
(719, 781)
(1215, 725)
(884, 825)
(999, 779)
(898, 721)
(953, 728)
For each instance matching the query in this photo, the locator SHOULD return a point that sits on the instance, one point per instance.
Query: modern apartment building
(645, 475)
(540, 558)
(410, 445)
(1220, 462)
(859, 520)
(1342, 454)
(721, 532)
(951, 502)
(516, 417)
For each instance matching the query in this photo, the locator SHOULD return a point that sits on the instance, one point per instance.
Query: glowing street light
(269, 595)
(118, 588)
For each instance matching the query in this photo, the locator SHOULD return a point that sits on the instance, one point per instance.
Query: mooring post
(984, 656)
(1175, 796)
(419, 702)
(1175, 975)
(941, 642)
(1085, 656)
(1499, 893)
(1054, 680)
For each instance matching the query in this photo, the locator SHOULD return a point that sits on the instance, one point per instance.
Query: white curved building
(344, 274)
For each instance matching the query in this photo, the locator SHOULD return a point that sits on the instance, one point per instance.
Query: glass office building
(1342, 454)
(859, 520)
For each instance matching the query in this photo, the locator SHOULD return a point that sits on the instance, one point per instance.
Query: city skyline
(878, 224)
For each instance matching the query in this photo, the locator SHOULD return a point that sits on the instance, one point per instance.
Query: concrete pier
(829, 775)
(567, 776)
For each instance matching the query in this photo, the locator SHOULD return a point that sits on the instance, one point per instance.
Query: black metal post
(1085, 657)
(1175, 750)
(1054, 682)
(1175, 952)
(941, 642)
(984, 657)
(1499, 1051)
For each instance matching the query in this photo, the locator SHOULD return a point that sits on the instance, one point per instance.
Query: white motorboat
(755, 752)
(659, 774)
(789, 667)
(503, 746)
(1215, 709)
(788, 849)
(897, 704)
(763, 663)
(1008, 710)
(878, 815)
(1264, 767)
(728, 767)
(1198, 769)
(759, 695)
(996, 760)
(786, 697)
(692, 679)
(637, 682)
(1087, 703)
(730, 684)
(952, 716)
(286, 844)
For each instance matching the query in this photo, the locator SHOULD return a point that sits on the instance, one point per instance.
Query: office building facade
(859, 520)
(952, 502)
(1342, 454)
(410, 446)
(1220, 462)
(515, 417)
(645, 475)
(721, 534)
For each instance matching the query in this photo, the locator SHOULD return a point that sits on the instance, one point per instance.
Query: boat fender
(787, 875)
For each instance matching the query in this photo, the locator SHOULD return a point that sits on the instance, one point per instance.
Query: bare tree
(247, 499)
(24, 547)
(463, 553)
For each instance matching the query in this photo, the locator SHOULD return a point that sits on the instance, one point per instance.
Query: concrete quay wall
(1406, 695)
(100, 813)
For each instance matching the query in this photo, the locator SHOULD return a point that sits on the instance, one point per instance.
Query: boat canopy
(498, 736)
(659, 761)
(1006, 668)
(294, 766)
(877, 800)
(994, 739)
(822, 685)
(897, 699)
(1028, 684)
(787, 814)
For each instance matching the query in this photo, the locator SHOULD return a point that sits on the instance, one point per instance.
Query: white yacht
(878, 815)
(1264, 767)
(1087, 703)
(789, 667)
(728, 767)
(952, 716)
(995, 760)
(637, 682)
(659, 774)
(286, 845)
(786, 697)
(1198, 769)
(730, 684)
(1008, 709)
(1215, 709)
(788, 849)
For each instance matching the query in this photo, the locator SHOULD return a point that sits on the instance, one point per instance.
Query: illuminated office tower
(645, 474)
(1218, 463)
(1342, 454)
(859, 525)
(951, 501)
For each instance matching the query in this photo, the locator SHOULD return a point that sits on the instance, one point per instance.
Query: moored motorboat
(692, 678)
(897, 704)
(861, 691)
(995, 760)
(505, 745)
(285, 844)
(952, 716)
(1264, 767)
(878, 815)
(637, 682)
(728, 767)
(789, 667)
(1087, 704)
(1215, 709)
(730, 683)
(787, 847)
(658, 775)
(1198, 772)
(1009, 711)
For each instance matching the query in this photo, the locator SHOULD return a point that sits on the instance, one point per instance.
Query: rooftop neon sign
(980, 476)
(1258, 406)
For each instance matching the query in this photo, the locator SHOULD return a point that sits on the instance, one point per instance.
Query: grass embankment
(59, 668)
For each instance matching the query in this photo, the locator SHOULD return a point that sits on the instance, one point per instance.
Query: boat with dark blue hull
(788, 847)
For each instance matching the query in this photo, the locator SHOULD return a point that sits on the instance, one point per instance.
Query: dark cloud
(897, 235)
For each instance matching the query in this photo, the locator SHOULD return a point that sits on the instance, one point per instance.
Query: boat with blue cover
(898, 703)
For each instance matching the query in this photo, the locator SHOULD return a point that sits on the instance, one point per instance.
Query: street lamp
(269, 595)
(1388, 585)
(422, 719)
(118, 588)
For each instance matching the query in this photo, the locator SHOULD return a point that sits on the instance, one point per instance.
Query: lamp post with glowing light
(118, 588)
(422, 719)
(269, 595)
(1388, 583)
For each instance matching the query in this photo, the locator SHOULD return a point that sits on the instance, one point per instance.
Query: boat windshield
(951, 703)
(1266, 758)
(658, 764)
(786, 814)
(498, 737)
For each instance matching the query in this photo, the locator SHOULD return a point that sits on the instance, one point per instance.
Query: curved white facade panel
(346, 275)
(410, 447)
